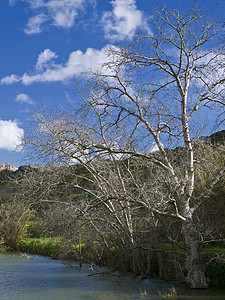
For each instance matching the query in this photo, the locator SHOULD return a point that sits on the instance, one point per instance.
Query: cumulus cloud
(10, 79)
(123, 20)
(24, 98)
(10, 135)
(44, 58)
(77, 63)
(60, 13)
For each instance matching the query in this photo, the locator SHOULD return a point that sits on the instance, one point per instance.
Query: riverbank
(58, 248)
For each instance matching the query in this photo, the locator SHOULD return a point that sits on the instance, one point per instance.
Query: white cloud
(123, 21)
(64, 18)
(10, 135)
(60, 13)
(10, 79)
(34, 24)
(24, 98)
(118, 24)
(78, 63)
(44, 58)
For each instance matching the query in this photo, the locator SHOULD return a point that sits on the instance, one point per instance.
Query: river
(41, 278)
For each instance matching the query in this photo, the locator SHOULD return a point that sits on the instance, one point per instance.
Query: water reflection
(41, 278)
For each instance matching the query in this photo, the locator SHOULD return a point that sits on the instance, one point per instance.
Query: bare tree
(14, 214)
(150, 94)
(106, 196)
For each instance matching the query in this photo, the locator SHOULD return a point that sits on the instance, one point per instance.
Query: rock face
(6, 171)
(7, 167)
(18, 173)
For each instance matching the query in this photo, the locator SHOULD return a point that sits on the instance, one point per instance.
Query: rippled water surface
(41, 278)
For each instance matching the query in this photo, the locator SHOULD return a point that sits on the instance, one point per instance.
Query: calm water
(42, 278)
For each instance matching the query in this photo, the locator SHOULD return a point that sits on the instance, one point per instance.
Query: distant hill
(8, 174)
(218, 137)
(215, 138)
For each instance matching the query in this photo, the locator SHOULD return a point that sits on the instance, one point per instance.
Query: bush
(13, 220)
(46, 246)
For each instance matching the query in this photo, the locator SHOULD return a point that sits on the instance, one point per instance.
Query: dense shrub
(45, 246)
(13, 220)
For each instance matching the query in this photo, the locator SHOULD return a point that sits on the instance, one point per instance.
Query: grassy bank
(43, 246)
(53, 247)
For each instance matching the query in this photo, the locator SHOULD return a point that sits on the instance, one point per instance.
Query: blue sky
(45, 44)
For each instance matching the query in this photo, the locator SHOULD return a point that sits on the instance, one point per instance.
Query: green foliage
(53, 246)
(45, 246)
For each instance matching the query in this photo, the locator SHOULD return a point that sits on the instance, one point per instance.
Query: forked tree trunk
(194, 263)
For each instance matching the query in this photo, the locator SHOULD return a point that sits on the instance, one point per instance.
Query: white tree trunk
(194, 263)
